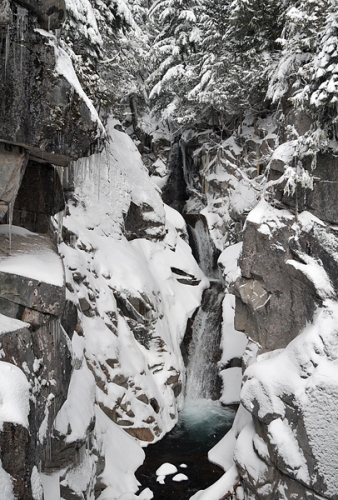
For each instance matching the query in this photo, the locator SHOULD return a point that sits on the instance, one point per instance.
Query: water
(202, 247)
(202, 423)
(202, 371)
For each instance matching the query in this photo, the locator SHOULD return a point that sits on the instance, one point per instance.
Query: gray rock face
(273, 299)
(286, 301)
(319, 200)
(141, 221)
(32, 291)
(41, 110)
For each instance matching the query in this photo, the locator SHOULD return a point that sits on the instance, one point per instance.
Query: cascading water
(202, 247)
(202, 370)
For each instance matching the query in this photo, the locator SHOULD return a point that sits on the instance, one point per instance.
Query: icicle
(59, 217)
(7, 45)
(57, 35)
(48, 452)
(55, 331)
(98, 182)
(21, 23)
(10, 223)
(48, 24)
(21, 57)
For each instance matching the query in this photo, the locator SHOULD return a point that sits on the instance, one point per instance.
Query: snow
(51, 485)
(118, 473)
(113, 274)
(180, 477)
(222, 453)
(316, 273)
(78, 410)
(36, 483)
(305, 372)
(64, 67)
(11, 324)
(31, 257)
(6, 485)
(166, 469)
(245, 454)
(233, 342)
(228, 260)
(220, 488)
(232, 380)
(264, 213)
(14, 395)
(285, 440)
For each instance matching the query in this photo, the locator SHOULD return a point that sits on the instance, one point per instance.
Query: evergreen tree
(174, 55)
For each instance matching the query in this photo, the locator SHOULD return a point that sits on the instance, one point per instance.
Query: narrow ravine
(177, 467)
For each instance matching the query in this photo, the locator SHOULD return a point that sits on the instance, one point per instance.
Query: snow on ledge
(11, 324)
(14, 395)
(32, 256)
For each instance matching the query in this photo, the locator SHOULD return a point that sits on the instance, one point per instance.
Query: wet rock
(15, 446)
(319, 200)
(175, 190)
(41, 110)
(40, 196)
(50, 13)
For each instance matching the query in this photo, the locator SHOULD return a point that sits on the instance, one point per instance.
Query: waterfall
(203, 380)
(202, 247)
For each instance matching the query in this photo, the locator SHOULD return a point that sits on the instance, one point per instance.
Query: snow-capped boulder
(292, 396)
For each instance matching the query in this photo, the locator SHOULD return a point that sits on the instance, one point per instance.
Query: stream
(202, 423)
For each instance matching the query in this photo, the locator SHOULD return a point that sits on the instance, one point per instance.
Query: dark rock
(143, 398)
(15, 456)
(138, 223)
(50, 13)
(69, 318)
(40, 109)
(272, 307)
(141, 433)
(40, 196)
(155, 405)
(319, 200)
(175, 191)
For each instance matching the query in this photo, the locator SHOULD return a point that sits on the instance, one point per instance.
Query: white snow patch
(224, 486)
(14, 395)
(78, 409)
(166, 469)
(180, 477)
(11, 324)
(232, 380)
(31, 257)
(6, 485)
